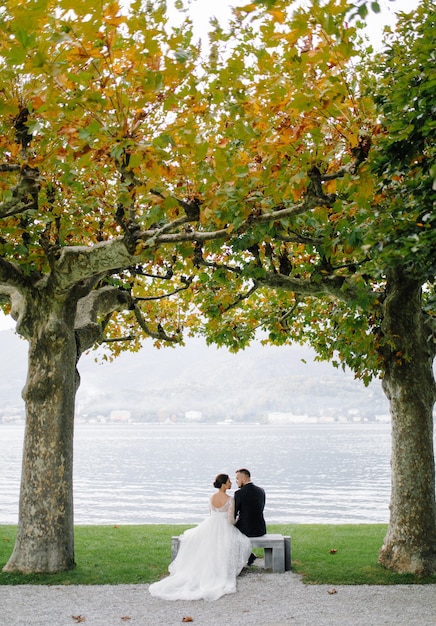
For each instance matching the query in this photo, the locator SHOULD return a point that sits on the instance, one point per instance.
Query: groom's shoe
(251, 559)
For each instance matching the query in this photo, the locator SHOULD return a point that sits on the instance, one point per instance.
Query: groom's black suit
(249, 505)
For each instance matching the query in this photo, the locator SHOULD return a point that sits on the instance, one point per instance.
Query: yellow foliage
(278, 15)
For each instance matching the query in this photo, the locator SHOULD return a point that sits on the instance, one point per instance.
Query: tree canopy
(87, 93)
(111, 129)
(319, 123)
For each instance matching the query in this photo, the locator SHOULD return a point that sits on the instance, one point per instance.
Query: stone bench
(277, 551)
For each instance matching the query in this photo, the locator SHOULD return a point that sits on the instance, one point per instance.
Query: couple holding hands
(212, 554)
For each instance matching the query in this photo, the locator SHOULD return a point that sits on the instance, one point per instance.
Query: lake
(163, 473)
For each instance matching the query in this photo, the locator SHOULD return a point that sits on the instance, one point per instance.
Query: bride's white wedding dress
(209, 559)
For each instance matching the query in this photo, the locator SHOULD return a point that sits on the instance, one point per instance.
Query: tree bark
(410, 543)
(45, 539)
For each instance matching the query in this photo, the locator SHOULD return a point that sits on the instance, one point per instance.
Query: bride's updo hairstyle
(221, 479)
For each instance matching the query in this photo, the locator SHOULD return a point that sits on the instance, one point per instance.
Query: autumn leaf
(248, 8)
(278, 15)
(187, 619)
(78, 618)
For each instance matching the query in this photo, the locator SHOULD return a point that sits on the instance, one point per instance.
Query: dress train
(209, 559)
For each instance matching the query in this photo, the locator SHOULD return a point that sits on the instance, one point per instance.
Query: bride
(210, 556)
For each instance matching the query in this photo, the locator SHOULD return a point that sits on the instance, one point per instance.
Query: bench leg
(268, 557)
(275, 558)
(175, 542)
(278, 554)
(288, 562)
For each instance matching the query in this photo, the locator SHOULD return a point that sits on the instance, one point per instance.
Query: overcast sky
(202, 10)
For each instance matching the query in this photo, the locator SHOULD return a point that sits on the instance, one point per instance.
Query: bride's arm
(231, 512)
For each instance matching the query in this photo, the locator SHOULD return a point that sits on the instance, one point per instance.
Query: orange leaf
(278, 15)
(187, 619)
(248, 8)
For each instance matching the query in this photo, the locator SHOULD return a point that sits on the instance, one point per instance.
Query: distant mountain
(156, 384)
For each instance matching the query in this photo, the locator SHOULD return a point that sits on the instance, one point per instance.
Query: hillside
(155, 384)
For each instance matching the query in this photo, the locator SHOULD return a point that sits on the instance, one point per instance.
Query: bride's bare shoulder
(218, 500)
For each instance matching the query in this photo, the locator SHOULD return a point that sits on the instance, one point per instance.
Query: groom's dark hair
(244, 471)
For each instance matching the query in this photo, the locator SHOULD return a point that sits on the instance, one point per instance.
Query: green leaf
(163, 141)
(182, 55)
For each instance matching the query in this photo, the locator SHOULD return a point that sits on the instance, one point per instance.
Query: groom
(249, 505)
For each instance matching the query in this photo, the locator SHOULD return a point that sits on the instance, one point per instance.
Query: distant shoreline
(230, 423)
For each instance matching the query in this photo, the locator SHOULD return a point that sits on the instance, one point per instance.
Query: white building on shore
(277, 417)
(193, 416)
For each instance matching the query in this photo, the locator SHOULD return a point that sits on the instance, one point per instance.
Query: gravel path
(262, 599)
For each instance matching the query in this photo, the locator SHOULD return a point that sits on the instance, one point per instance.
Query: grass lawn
(109, 555)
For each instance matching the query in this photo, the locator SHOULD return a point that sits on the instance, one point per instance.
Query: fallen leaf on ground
(79, 618)
(332, 591)
(187, 619)
(125, 618)
(333, 551)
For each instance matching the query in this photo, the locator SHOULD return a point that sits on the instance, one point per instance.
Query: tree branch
(15, 299)
(241, 298)
(340, 289)
(160, 334)
(187, 283)
(79, 263)
(155, 237)
(98, 303)
(24, 194)
(118, 339)
(11, 276)
(9, 167)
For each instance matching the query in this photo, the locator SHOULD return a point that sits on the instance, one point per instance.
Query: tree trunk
(45, 540)
(410, 543)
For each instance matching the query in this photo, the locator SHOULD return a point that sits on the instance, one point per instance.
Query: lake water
(163, 473)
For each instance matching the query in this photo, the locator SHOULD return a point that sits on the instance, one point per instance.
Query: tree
(348, 262)
(86, 179)
(404, 164)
